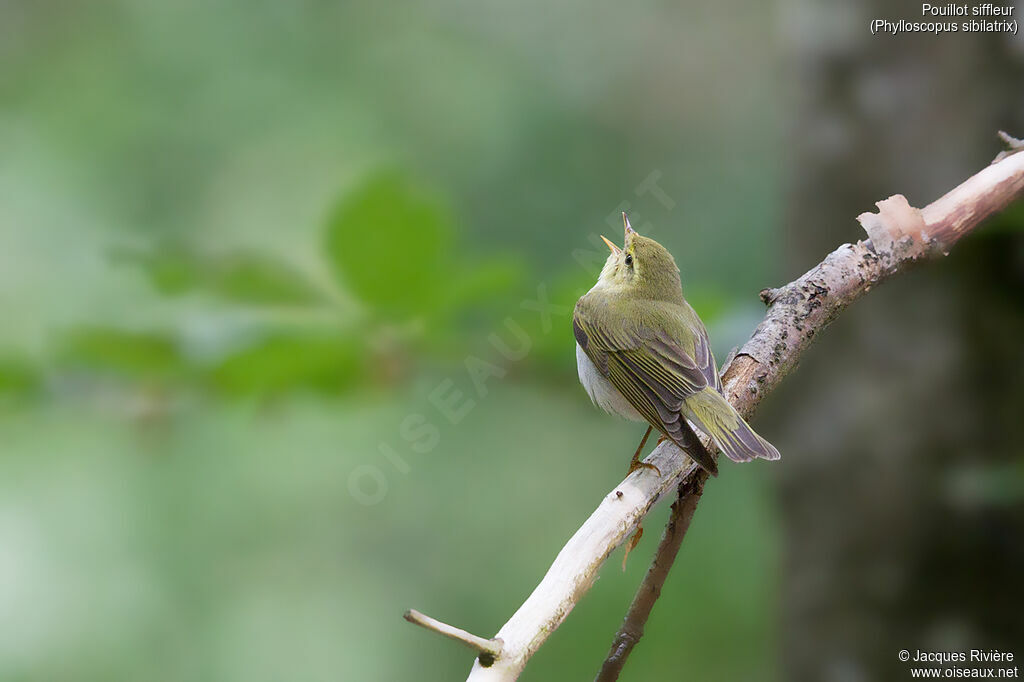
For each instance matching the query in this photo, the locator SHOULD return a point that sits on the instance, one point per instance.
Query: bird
(643, 353)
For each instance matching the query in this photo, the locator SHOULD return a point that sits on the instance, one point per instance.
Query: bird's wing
(703, 358)
(648, 365)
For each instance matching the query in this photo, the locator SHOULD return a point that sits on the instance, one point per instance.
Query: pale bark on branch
(899, 235)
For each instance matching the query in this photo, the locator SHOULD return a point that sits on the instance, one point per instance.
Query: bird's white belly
(601, 391)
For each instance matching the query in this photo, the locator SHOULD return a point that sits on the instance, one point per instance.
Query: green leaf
(17, 378)
(237, 277)
(388, 243)
(147, 354)
(247, 278)
(278, 363)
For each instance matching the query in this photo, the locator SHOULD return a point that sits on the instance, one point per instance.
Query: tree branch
(650, 589)
(899, 236)
(938, 227)
(488, 649)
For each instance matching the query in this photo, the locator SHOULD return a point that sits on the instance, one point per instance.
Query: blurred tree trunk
(903, 484)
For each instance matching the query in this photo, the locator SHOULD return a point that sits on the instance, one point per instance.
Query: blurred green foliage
(18, 378)
(389, 246)
(236, 277)
(136, 355)
(242, 245)
(326, 362)
(392, 247)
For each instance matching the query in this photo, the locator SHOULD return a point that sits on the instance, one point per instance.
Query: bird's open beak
(614, 249)
(628, 228)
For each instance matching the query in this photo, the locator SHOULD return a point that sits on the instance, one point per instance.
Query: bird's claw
(635, 465)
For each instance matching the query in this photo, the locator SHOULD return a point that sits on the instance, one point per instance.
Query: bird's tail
(713, 415)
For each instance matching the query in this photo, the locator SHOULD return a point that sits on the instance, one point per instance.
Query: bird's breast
(601, 391)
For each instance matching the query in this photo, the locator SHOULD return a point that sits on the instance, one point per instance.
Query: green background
(242, 242)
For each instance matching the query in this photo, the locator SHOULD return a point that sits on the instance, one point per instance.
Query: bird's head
(642, 267)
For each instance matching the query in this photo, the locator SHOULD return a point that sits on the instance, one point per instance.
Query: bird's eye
(629, 259)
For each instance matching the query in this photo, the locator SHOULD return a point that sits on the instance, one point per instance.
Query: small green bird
(642, 353)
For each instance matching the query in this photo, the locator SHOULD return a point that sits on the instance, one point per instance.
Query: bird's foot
(637, 464)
